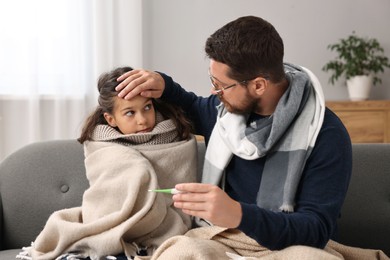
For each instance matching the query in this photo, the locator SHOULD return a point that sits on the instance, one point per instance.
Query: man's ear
(260, 85)
(110, 119)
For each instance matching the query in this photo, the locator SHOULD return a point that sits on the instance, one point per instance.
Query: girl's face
(136, 115)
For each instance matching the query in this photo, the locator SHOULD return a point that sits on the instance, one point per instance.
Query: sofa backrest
(365, 216)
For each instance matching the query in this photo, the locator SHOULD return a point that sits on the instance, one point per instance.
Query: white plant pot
(359, 87)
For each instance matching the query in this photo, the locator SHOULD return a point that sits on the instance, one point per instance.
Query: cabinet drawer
(366, 121)
(365, 126)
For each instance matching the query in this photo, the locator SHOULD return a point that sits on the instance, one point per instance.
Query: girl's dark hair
(251, 47)
(107, 93)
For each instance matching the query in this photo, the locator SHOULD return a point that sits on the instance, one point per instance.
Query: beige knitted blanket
(210, 243)
(118, 214)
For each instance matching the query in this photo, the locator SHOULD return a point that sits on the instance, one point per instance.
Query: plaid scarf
(287, 138)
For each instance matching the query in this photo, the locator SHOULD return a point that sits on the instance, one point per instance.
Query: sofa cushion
(9, 254)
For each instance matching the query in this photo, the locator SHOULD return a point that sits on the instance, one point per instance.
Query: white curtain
(51, 54)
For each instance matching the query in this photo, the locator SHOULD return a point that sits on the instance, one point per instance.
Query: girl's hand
(140, 82)
(208, 202)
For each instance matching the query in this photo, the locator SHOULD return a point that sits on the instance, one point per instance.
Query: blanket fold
(209, 243)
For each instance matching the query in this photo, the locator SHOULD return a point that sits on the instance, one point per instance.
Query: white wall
(176, 30)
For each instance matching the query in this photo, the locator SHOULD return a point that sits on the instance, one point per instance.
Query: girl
(130, 146)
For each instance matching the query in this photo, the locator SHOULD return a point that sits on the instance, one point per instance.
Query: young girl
(131, 147)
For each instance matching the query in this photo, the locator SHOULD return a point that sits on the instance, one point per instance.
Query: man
(278, 163)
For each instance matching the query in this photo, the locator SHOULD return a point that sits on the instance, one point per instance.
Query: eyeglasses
(219, 90)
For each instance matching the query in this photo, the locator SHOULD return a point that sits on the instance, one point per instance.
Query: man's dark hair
(250, 46)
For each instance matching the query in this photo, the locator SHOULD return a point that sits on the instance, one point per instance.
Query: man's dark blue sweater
(321, 190)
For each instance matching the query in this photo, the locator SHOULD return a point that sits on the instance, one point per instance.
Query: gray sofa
(47, 176)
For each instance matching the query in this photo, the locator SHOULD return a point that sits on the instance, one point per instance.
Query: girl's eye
(129, 113)
(148, 107)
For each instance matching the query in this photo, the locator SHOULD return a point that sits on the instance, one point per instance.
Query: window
(44, 47)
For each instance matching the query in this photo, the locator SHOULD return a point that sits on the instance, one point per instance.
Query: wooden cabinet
(366, 121)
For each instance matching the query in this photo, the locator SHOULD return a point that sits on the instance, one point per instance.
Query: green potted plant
(359, 60)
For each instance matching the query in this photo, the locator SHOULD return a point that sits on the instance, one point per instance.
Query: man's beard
(248, 106)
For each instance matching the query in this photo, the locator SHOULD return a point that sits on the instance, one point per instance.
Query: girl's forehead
(135, 102)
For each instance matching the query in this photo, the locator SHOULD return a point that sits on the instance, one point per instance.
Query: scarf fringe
(287, 208)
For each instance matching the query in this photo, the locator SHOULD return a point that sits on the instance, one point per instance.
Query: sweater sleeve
(320, 195)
